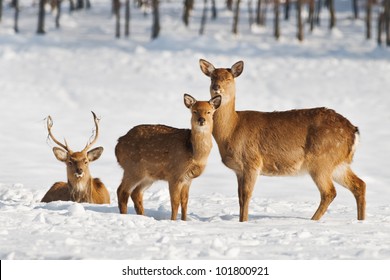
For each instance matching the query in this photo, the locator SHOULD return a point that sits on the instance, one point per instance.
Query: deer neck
(81, 190)
(201, 139)
(225, 121)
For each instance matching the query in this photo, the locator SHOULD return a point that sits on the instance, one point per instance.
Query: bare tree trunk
(299, 20)
(355, 8)
(186, 12)
(156, 19)
(117, 10)
(80, 4)
(16, 16)
(332, 14)
(368, 18)
(250, 13)
(236, 17)
(264, 13)
(229, 5)
(318, 12)
(381, 25)
(41, 17)
(1, 9)
(258, 12)
(276, 22)
(58, 15)
(311, 14)
(387, 21)
(127, 18)
(72, 6)
(204, 17)
(287, 10)
(213, 9)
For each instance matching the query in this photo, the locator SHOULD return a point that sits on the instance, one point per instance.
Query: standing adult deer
(81, 187)
(148, 153)
(317, 141)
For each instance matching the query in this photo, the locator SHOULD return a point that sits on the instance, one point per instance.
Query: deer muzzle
(79, 174)
(201, 121)
(216, 89)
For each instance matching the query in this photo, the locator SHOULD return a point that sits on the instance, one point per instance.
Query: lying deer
(81, 187)
(317, 141)
(148, 153)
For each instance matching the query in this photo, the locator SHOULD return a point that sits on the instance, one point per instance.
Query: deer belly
(282, 167)
(232, 163)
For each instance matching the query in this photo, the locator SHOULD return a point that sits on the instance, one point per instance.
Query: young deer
(81, 187)
(148, 153)
(317, 141)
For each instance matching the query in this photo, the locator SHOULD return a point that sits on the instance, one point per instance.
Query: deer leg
(137, 197)
(327, 191)
(246, 183)
(123, 198)
(175, 194)
(123, 192)
(357, 186)
(184, 201)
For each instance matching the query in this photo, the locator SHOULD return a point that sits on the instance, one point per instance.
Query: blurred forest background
(307, 15)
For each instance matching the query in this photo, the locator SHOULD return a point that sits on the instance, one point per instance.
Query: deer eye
(208, 113)
(86, 162)
(70, 163)
(195, 112)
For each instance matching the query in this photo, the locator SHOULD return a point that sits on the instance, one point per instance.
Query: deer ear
(237, 68)
(189, 101)
(94, 154)
(60, 154)
(206, 67)
(216, 101)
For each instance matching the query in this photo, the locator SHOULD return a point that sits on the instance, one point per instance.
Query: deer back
(59, 191)
(290, 142)
(154, 150)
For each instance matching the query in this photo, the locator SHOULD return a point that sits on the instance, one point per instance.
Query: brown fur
(317, 141)
(81, 187)
(148, 153)
(61, 191)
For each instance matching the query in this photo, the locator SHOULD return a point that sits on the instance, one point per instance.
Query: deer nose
(79, 171)
(201, 121)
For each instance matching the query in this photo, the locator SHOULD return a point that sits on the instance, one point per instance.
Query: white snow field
(81, 67)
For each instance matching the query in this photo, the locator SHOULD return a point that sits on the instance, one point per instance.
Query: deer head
(202, 112)
(222, 79)
(76, 162)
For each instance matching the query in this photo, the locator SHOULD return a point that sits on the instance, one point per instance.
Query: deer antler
(96, 121)
(49, 126)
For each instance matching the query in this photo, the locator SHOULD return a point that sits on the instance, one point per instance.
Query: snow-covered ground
(81, 67)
